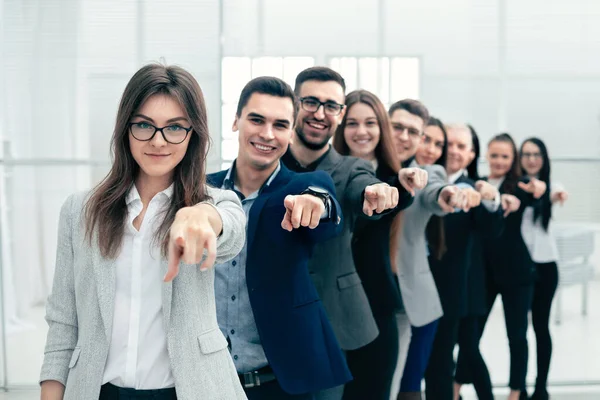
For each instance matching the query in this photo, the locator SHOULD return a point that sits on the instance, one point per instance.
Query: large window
(390, 78)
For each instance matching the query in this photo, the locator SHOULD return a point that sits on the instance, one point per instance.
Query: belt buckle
(251, 379)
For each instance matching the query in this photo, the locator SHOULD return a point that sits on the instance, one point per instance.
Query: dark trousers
(373, 365)
(273, 391)
(439, 375)
(544, 290)
(470, 366)
(112, 392)
(419, 351)
(516, 301)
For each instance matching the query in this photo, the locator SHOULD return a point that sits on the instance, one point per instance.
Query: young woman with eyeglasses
(537, 233)
(125, 321)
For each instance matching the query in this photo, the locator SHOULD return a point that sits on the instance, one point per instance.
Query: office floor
(576, 357)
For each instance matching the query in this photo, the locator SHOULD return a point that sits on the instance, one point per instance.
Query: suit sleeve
(428, 196)
(527, 199)
(61, 310)
(405, 199)
(488, 223)
(361, 175)
(232, 239)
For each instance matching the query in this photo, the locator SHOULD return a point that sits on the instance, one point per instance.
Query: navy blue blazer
(294, 329)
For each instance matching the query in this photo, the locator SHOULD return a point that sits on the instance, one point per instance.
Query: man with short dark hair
(321, 93)
(281, 342)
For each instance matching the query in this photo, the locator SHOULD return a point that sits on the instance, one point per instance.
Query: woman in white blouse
(123, 321)
(536, 229)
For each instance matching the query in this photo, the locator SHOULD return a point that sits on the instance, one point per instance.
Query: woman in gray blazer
(124, 322)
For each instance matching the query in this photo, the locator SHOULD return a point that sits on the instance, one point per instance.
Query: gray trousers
(404, 334)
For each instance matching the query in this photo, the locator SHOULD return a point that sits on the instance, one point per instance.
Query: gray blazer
(332, 266)
(80, 313)
(417, 287)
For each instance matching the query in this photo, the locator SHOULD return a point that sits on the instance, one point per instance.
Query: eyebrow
(280, 121)
(324, 101)
(168, 121)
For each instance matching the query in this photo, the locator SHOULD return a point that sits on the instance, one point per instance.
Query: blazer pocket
(212, 341)
(348, 280)
(75, 357)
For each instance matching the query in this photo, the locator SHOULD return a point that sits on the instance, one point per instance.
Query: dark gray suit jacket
(332, 266)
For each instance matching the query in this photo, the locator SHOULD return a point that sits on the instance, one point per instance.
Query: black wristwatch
(318, 192)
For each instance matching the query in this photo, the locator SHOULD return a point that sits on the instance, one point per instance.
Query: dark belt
(257, 378)
(112, 392)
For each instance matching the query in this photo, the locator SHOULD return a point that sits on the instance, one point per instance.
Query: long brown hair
(106, 209)
(435, 230)
(384, 152)
(509, 185)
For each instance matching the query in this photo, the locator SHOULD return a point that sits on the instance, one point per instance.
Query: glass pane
(405, 78)
(348, 68)
(292, 66)
(227, 118)
(267, 66)
(384, 79)
(235, 73)
(368, 74)
(229, 149)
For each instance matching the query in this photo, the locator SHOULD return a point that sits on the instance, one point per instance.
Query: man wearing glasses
(322, 94)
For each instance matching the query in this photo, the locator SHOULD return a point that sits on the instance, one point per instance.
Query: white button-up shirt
(137, 356)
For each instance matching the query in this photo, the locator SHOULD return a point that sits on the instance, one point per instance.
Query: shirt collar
(229, 182)
(297, 167)
(454, 177)
(133, 194)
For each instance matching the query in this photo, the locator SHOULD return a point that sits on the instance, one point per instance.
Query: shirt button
(233, 298)
(234, 263)
(235, 357)
(232, 331)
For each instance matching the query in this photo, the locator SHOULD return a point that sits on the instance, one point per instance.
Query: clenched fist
(536, 187)
(302, 210)
(509, 203)
(486, 190)
(379, 197)
(452, 197)
(412, 179)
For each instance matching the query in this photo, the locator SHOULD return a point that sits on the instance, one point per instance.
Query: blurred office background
(529, 67)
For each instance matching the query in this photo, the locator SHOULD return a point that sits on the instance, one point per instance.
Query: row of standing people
(284, 314)
(476, 256)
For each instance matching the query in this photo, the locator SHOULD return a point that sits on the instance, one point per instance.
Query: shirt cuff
(492, 205)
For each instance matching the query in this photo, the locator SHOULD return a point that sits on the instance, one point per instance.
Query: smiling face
(314, 129)
(158, 158)
(532, 159)
(431, 147)
(407, 131)
(362, 131)
(460, 149)
(500, 157)
(265, 130)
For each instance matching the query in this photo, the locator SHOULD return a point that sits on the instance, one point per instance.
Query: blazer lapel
(281, 179)
(104, 270)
